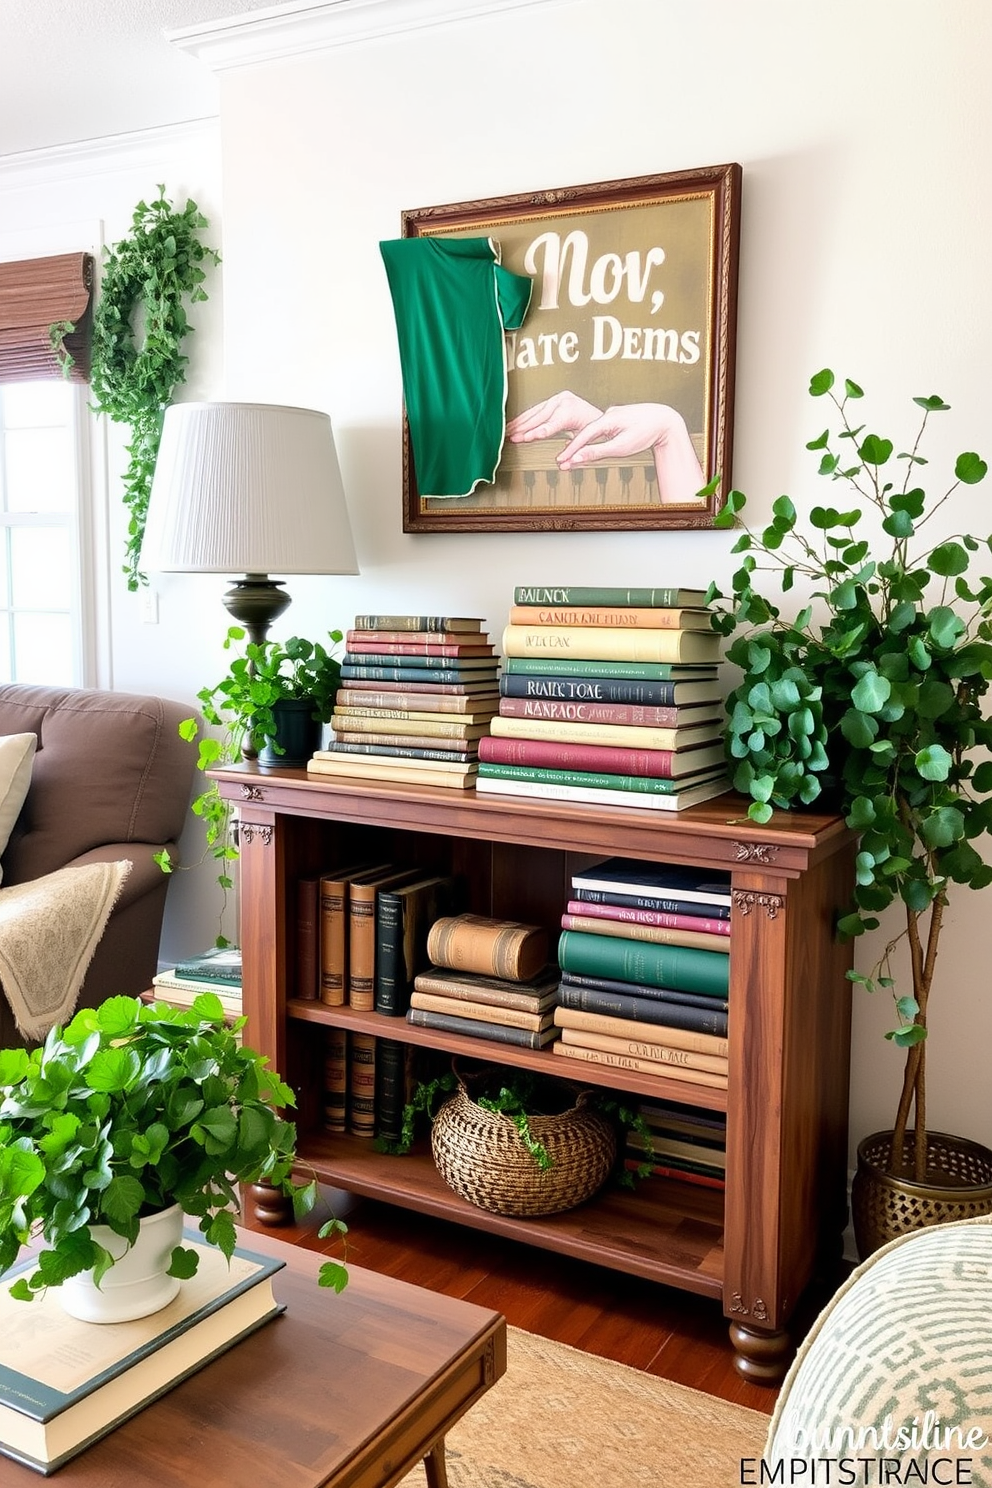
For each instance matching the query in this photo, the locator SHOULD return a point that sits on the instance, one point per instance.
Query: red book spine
(418, 648)
(450, 689)
(684, 1175)
(517, 707)
(414, 637)
(555, 755)
(668, 920)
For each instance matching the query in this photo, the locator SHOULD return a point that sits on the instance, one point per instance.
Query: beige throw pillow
(16, 760)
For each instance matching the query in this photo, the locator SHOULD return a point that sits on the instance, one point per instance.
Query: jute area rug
(560, 1418)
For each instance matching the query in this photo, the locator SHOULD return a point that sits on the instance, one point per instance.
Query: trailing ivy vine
(139, 326)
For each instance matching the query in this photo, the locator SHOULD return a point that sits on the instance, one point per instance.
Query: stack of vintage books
(684, 1141)
(361, 938)
(644, 957)
(417, 693)
(488, 979)
(608, 696)
(217, 970)
(65, 1383)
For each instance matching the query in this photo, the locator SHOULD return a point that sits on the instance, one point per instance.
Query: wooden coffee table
(348, 1391)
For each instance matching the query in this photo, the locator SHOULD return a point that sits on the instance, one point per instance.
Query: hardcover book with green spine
(638, 961)
(403, 918)
(544, 594)
(65, 1383)
(634, 671)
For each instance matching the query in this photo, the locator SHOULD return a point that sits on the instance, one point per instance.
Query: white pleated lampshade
(247, 488)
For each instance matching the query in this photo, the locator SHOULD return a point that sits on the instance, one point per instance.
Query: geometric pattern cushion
(16, 760)
(898, 1366)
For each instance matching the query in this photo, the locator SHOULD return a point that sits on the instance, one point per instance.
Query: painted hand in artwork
(632, 428)
(563, 413)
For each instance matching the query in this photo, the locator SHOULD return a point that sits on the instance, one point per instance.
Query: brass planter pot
(958, 1186)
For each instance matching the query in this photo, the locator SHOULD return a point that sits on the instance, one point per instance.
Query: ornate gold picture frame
(620, 381)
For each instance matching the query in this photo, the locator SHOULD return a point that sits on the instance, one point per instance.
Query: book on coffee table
(65, 1383)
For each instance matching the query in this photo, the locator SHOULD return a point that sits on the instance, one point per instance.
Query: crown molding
(139, 150)
(292, 30)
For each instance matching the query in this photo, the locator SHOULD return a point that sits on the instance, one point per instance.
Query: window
(43, 427)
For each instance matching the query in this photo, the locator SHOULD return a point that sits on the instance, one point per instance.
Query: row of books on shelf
(361, 933)
(608, 700)
(680, 1141)
(417, 693)
(597, 698)
(370, 1080)
(645, 971)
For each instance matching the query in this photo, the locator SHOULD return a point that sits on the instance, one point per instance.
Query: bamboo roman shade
(35, 294)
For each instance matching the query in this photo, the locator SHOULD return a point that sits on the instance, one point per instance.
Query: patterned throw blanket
(49, 929)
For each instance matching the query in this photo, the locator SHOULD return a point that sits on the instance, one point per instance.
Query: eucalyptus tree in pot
(873, 697)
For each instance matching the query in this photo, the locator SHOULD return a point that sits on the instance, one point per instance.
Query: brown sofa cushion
(109, 768)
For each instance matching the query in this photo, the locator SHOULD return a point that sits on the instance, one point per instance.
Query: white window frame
(92, 648)
(76, 522)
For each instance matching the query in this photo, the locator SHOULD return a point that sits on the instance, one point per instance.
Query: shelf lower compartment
(491, 1051)
(663, 1230)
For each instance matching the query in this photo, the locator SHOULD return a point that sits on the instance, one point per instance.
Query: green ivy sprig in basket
(515, 1094)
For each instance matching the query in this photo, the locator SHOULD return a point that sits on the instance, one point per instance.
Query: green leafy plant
(241, 705)
(139, 328)
(131, 1108)
(873, 695)
(57, 333)
(519, 1095)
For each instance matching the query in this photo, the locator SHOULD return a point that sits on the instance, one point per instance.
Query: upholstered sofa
(110, 779)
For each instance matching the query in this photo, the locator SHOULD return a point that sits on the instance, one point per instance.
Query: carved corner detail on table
(758, 1309)
(248, 831)
(755, 852)
(252, 793)
(747, 899)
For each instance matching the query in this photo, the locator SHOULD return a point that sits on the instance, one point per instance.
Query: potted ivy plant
(873, 698)
(270, 703)
(265, 682)
(131, 1111)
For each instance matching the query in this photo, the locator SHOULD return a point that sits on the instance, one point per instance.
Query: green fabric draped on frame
(453, 301)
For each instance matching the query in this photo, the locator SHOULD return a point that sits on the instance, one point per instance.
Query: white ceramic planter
(136, 1284)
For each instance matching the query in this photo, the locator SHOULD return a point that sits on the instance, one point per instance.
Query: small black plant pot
(297, 735)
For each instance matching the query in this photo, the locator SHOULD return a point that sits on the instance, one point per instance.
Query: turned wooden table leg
(762, 1358)
(434, 1466)
(270, 1206)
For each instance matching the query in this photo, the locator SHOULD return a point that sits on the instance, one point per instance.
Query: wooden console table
(341, 1391)
(756, 1247)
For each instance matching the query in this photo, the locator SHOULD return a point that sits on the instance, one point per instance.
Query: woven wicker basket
(959, 1186)
(480, 1155)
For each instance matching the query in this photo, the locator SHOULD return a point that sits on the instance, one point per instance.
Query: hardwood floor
(665, 1332)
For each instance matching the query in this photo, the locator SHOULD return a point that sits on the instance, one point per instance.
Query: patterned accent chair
(897, 1369)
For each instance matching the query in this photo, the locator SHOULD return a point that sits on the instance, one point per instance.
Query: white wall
(864, 130)
(865, 133)
(82, 197)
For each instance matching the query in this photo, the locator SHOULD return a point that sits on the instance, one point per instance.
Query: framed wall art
(620, 377)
